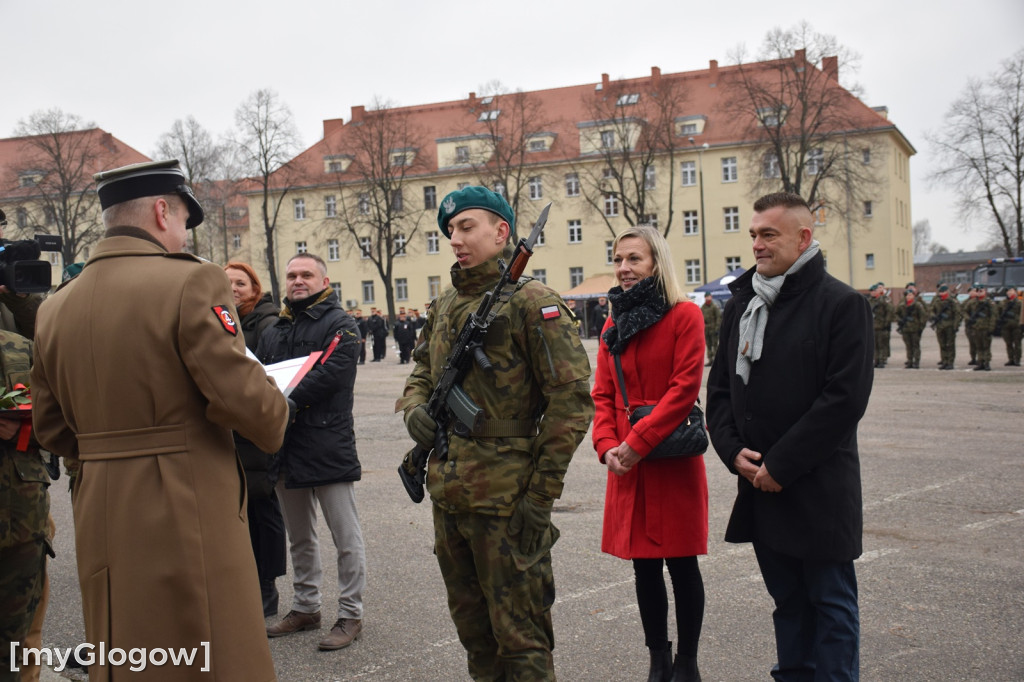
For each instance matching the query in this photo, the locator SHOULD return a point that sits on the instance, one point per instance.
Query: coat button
(748, 416)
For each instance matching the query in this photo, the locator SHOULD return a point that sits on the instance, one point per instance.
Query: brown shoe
(295, 622)
(344, 632)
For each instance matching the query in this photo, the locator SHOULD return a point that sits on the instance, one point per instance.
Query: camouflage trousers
(711, 343)
(881, 346)
(912, 340)
(501, 610)
(947, 344)
(972, 342)
(24, 507)
(983, 346)
(1012, 335)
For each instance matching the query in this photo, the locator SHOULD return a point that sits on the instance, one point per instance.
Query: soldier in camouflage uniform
(910, 321)
(983, 317)
(946, 316)
(1008, 323)
(883, 314)
(712, 321)
(492, 496)
(968, 309)
(24, 498)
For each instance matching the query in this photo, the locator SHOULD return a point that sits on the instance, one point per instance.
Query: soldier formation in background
(712, 321)
(1008, 325)
(946, 315)
(884, 315)
(911, 318)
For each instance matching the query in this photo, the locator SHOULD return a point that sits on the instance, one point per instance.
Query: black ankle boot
(661, 665)
(268, 590)
(685, 669)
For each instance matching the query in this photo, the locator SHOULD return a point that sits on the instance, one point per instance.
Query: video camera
(21, 270)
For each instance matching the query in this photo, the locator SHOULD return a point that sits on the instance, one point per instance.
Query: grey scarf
(755, 317)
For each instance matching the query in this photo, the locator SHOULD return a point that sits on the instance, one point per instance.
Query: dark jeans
(817, 623)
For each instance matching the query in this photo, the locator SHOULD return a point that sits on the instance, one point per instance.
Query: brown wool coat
(137, 376)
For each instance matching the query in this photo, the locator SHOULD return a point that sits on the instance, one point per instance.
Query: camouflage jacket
(982, 316)
(1009, 313)
(712, 317)
(946, 313)
(911, 319)
(541, 373)
(883, 313)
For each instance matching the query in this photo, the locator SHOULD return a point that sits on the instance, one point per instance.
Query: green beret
(910, 284)
(942, 287)
(872, 287)
(474, 197)
(150, 179)
(72, 271)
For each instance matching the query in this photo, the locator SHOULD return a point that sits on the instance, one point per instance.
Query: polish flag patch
(550, 312)
(226, 320)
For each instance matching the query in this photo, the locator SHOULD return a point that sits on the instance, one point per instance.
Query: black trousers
(651, 597)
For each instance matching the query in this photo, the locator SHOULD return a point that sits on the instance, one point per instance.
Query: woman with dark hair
(656, 512)
(256, 312)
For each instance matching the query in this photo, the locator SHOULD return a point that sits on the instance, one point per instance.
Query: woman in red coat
(655, 511)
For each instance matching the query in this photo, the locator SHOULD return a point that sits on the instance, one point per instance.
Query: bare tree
(59, 155)
(374, 211)
(265, 140)
(510, 123)
(632, 129)
(922, 232)
(800, 120)
(981, 152)
(202, 161)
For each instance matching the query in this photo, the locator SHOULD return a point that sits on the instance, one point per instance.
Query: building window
(688, 173)
(401, 288)
(300, 208)
(692, 271)
(865, 155)
(430, 197)
(433, 286)
(729, 172)
(540, 275)
(732, 218)
(364, 203)
(690, 223)
(489, 115)
(607, 139)
(869, 261)
(499, 188)
(398, 159)
(336, 287)
(611, 205)
(236, 241)
(21, 217)
(330, 206)
(572, 185)
(300, 247)
(819, 215)
(462, 185)
(575, 277)
(815, 161)
(333, 251)
(400, 242)
(364, 247)
(770, 166)
(396, 200)
(609, 254)
(541, 238)
(650, 219)
(688, 129)
(631, 98)
(732, 263)
(609, 174)
(868, 209)
(575, 232)
(537, 145)
(536, 188)
(334, 166)
(462, 154)
(650, 181)
(367, 291)
(433, 242)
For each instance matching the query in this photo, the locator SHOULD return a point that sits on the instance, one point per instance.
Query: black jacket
(259, 318)
(378, 326)
(800, 410)
(320, 447)
(405, 333)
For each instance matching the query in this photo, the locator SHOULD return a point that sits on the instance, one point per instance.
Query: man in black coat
(378, 327)
(788, 386)
(364, 330)
(405, 337)
(318, 460)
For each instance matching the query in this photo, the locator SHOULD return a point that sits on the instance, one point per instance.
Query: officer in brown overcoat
(141, 374)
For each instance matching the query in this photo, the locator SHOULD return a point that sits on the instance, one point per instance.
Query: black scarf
(634, 310)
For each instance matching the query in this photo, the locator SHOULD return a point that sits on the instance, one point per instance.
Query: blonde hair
(664, 271)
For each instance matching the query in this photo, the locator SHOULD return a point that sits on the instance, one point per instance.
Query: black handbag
(689, 439)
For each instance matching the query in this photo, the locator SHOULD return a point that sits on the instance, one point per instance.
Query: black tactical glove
(530, 521)
(421, 426)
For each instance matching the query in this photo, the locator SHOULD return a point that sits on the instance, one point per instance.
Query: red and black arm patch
(226, 319)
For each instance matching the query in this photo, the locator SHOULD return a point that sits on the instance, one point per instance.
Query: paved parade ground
(941, 579)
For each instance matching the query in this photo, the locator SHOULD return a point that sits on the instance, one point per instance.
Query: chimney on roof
(332, 125)
(713, 71)
(357, 113)
(655, 75)
(830, 65)
(605, 81)
(107, 140)
(800, 56)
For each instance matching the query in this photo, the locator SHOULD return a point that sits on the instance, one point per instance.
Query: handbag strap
(622, 383)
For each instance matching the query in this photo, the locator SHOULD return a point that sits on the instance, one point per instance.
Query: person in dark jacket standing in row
(378, 327)
(405, 337)
(318, 460)
(788, 386)
(257, 311)
(364, 331)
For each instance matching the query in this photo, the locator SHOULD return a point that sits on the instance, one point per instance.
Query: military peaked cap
(154, 178)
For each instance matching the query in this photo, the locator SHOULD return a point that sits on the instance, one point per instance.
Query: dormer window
(624, 100)
(490, 115)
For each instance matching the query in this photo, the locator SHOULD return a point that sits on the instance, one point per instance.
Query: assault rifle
(448, 400)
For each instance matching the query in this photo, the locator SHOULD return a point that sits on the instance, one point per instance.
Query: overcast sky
(133, 67)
